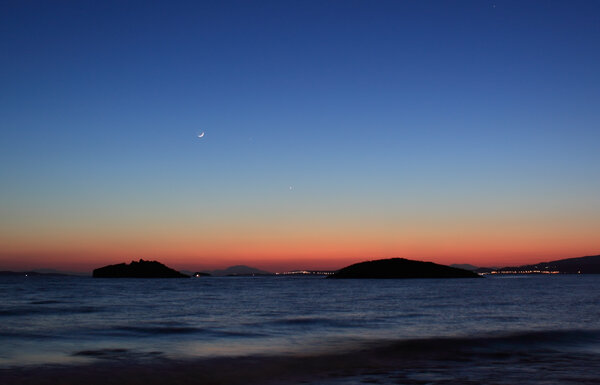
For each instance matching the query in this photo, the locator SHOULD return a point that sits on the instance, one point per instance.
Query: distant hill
(464, 266)
(401, 268)
(239, 270)
(580, 265)
(139, 269)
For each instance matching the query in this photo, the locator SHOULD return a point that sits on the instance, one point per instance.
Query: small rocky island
(401, 268)
(139, 269)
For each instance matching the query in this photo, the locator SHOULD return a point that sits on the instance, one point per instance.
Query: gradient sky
(335, 132)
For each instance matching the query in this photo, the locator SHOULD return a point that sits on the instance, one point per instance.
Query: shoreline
(501, 359)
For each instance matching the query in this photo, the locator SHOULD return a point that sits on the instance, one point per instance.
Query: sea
(508, 329)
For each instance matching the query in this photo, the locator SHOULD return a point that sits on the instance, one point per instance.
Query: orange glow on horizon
(288, 246)
(280, 257)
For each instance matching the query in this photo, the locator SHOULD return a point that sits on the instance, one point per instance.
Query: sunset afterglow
(209, 135)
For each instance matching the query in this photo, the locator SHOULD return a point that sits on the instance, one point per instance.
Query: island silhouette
(139, 269)
(401, 268)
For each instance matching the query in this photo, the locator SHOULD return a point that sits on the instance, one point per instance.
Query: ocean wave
(117, 354)
(45, 302)
(311, 321)
(234, 333)
(526, 357)
(157, 330)
(47, 310)
(25, 335)
(524, 339)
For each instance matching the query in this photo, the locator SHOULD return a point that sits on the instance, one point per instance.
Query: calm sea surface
(525, 329)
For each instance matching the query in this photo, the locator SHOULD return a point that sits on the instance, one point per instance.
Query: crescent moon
(201, 135)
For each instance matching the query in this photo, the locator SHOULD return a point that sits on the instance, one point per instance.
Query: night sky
(334, 132)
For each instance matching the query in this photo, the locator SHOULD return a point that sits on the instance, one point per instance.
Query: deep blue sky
(413, 118)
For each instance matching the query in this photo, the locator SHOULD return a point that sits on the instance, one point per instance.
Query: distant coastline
(34, 274)
(580, 265)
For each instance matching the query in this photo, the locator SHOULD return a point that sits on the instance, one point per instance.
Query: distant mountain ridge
(238, 270)
(464, 266)
(580, 265)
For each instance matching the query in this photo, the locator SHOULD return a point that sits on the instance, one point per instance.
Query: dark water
(499, 330)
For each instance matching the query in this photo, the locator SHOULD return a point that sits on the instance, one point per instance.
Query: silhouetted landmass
(464, 266)
(239, 270)
(401, 268)
(140, 269)
(580, 265)
(32, 274)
